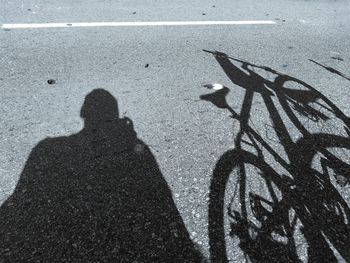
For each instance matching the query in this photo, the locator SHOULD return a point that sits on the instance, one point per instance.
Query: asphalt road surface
(157, 73)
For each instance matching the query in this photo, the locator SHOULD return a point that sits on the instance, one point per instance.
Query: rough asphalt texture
(156, 74)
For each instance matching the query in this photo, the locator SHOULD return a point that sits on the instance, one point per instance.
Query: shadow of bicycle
(271, 211)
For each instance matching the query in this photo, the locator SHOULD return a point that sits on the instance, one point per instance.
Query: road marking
(129, 24)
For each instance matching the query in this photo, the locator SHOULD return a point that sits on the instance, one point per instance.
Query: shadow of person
(95, 196)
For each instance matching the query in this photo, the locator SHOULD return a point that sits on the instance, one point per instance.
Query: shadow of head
(99, 106)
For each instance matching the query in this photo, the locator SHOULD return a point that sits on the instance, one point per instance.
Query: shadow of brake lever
(224, 55)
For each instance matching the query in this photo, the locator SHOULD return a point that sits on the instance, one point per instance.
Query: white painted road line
(128, 24)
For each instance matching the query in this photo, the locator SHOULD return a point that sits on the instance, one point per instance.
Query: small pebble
(146, 66)
(51, 81)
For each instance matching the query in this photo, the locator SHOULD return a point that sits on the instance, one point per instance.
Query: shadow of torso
(96, 196)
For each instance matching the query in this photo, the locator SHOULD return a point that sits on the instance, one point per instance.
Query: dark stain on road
(337, 58)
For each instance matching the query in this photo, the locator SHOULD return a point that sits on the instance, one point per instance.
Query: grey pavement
(157, 74)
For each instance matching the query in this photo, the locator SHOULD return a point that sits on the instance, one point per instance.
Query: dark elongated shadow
(95, 196)
(318, 205)
(330, 69)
